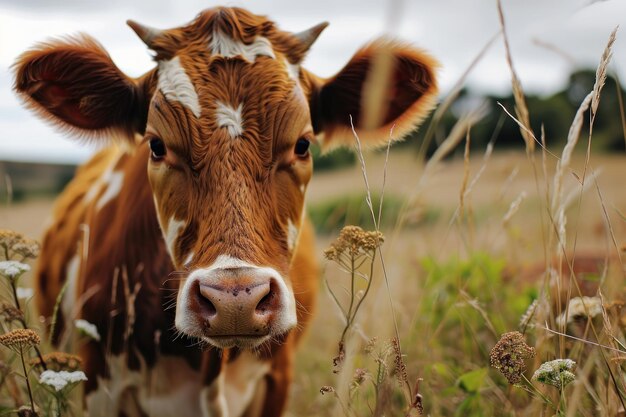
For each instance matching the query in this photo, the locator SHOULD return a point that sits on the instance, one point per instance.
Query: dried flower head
(20, 338)
(578, 308)
(13, 269)
(61, 379)
(15, 243)
(8, 239)
(10, 313)
(360, 375)
(557, 373)
(353, 242)
(27, 248)
(58, 361)
(509, 355)
(327, 389)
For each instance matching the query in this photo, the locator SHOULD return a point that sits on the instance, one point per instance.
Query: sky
(549, 38)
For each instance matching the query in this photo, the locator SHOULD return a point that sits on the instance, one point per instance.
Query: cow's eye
(302, 147)
(158, 149)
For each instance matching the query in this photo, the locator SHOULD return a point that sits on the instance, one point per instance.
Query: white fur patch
(69, 296)
(292, 234)
(212, 399)
(242, 379)
(171, 388)
(226, 46)
(114, 182)
(175, 84)
(188, 259)
(230, 118)
(174, 227)
(293, 71)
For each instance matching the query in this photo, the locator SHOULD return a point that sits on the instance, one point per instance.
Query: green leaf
(472, 381)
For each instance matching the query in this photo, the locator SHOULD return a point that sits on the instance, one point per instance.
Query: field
(457, 279)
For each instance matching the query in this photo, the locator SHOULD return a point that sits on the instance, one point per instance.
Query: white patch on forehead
(230, 118)
(302, 188)
(175, 84)
(292, 234)
(174, 227)
(226, 46)
(114, 182)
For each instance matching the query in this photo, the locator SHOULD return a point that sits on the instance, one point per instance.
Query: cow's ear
(385, 85)
(74, 83)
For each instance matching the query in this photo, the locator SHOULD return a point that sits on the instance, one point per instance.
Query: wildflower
(58, 361)
(23, 292)
(354, 242)
(61, 379)
(509, 354)
(88, 329)
(13, 269)
(20, 338)
(557, 373)
(327, 389)
(11, 313)
(578, 308)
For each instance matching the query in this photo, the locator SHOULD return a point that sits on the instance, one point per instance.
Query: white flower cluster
(88, 329)
(13, 269)
(577, 308)
(557, 373)
(61, 379)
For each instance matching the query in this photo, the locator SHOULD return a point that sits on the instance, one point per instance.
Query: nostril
(269, 302)
(206, 299)
(207, 307)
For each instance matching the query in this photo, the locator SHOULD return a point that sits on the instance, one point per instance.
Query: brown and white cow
(199, 203)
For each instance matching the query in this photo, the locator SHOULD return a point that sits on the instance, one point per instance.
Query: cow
(185, 239)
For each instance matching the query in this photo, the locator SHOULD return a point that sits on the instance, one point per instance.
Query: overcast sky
(453, 30)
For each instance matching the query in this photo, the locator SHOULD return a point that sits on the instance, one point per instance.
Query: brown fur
(234, 195)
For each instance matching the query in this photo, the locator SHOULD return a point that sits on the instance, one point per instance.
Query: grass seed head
(509, 355)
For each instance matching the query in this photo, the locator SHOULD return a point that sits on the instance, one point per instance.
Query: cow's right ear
(74, 83)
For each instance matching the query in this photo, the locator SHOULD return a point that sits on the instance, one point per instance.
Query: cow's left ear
(400, 98)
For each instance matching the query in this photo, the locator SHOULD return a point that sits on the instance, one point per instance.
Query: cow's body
(189, 248)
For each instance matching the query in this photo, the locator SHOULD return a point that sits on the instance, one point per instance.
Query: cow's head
(228, 114)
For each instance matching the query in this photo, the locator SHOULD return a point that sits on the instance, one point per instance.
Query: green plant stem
(25, 326)
(30, 392)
